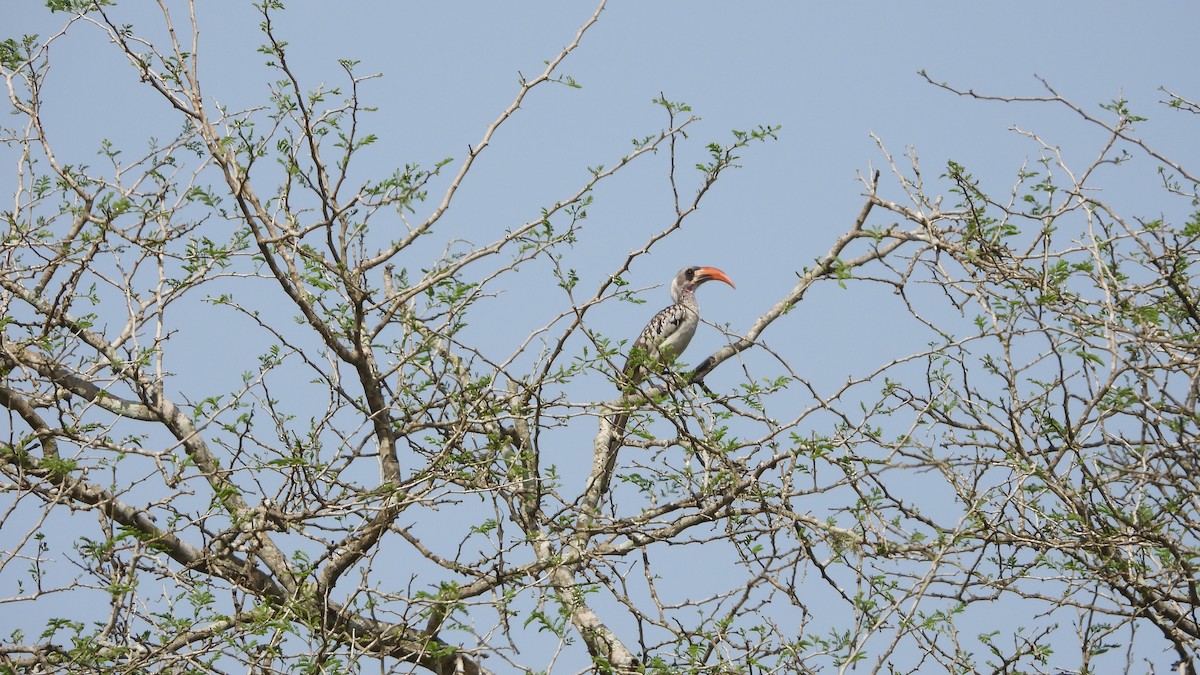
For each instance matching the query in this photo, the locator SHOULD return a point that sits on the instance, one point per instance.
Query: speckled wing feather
(663, 339)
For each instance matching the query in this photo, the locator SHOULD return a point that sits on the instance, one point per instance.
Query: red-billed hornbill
(670, 331)
(661, 342)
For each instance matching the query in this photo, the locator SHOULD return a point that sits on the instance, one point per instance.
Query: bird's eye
(691, 273)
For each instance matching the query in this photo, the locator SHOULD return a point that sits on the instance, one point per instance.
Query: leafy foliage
(361, 471)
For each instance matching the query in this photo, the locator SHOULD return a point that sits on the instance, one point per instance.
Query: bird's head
(689, 278)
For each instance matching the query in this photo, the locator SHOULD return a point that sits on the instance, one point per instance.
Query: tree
(387, 484)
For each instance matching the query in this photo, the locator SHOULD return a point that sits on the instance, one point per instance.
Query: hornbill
(670, 331)
(661, 342)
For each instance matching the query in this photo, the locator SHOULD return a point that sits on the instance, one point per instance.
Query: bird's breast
(678, 340)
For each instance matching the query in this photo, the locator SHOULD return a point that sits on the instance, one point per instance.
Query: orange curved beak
(710, 273)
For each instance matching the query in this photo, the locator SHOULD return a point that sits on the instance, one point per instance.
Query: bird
(670, 331)
(659, 344)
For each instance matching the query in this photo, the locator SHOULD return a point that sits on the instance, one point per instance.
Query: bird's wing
(667, 331)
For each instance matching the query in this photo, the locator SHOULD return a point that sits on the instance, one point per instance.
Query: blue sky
(829, 74)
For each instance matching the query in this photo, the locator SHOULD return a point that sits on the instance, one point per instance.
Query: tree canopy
(262, 413)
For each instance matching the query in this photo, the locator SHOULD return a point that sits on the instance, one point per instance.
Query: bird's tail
(617, 423)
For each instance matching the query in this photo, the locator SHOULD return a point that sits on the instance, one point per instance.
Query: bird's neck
(687, 298)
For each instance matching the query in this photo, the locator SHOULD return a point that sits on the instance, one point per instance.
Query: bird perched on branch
(671, 330)
(661, 342)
